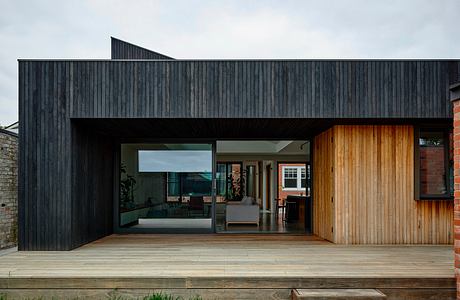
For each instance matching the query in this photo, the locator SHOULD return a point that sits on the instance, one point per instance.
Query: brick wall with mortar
(432, 171)
(8, 189)
(456, 107)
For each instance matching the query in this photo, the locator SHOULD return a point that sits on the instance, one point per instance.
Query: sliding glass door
(166, 187)
(229, 181)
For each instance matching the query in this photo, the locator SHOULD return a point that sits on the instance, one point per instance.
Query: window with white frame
(303, 178)
(294, 178)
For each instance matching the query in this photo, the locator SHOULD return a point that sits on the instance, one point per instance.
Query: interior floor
(174, 223)
(268, 223)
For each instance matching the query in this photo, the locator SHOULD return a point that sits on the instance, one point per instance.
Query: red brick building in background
(432, 172)
(455, 97)
(292, 179)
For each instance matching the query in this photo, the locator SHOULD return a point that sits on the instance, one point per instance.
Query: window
(303, 178)
(161, 185)
(290, 177)
(294, 178)
(434, 164)
(188, 172)
(189, 184)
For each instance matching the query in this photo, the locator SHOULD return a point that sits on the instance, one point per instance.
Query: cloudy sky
(223, 29)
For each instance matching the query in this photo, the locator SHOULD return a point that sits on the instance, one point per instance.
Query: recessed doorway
(247, 187)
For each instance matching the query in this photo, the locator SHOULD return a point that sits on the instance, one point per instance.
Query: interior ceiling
(225, 128)
(297, 147)
(212, 129)
(167, 146)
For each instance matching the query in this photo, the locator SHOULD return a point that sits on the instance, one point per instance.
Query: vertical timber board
(323, 185)
(44, 204)
(52, 216)
(374, 190)
(230, 89)
(124, 50)
(92, 178)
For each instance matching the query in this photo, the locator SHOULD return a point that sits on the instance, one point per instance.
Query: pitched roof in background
(124, 50)
(12, 129)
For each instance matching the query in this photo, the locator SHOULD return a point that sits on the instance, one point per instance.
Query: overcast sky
(223, 29)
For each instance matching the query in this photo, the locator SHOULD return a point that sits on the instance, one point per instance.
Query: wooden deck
(228, 261)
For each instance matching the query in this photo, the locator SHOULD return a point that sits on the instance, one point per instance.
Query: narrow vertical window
(434, 165)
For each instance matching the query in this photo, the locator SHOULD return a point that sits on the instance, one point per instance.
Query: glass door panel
(166, 187)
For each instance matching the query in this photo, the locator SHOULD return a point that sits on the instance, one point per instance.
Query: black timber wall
(44, 158)
(92, 186)
(124, 50)
(256, 89)
(65, 190)
(454, 72)
(65, 171)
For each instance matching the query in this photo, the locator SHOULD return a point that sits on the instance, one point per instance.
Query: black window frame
(447, 130)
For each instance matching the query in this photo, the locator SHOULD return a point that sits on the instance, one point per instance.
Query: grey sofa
(242, 212)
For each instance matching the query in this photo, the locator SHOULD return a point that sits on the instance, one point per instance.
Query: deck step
(342, 294)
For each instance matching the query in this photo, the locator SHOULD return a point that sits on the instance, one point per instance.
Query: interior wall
(265, 158)
(323, 185)
(373, 188)
(271, 159)
(264, 186)
(258, 157)
(92, 186)
(272, 184)
(247, 163)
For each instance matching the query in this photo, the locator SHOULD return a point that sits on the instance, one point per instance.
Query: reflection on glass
(166, 186)
(432, 163)
(175, 161)
(229, 181)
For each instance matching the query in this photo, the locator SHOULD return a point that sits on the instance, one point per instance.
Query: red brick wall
(456, 105)
(432, 167)
(282, 194)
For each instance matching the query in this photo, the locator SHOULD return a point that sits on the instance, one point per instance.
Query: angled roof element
(12, 129)
(124, 50)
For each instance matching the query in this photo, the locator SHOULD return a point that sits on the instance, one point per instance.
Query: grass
(162, 296)
(156, 296)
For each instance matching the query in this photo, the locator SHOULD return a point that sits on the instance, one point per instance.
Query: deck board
(224, 260)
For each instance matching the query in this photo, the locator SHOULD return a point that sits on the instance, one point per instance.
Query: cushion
(247, 200)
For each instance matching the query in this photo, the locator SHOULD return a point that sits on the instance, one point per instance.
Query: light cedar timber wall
(323, 185)
(373, 189)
